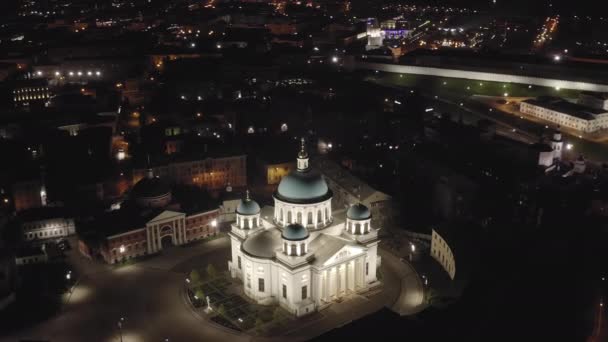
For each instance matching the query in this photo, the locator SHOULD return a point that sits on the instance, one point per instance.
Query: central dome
(303, 187)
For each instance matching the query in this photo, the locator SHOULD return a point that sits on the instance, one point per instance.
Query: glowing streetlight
(122, 319)
(214, 223)
(569, 147)
(334, 59)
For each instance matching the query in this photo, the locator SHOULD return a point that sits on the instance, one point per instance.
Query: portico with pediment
(342, 274)
(167, 226)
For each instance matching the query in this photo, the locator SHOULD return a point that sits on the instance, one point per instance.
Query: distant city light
(334, 59)
(121, 155)
(557, 58)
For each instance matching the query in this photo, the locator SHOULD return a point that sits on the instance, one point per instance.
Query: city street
(149, 297)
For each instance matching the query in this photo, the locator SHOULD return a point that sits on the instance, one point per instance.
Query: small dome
(248, 207)
(303, 187)
(358, 212)
(294, 232)
(150, 188)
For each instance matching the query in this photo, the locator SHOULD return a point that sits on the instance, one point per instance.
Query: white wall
(481, 76)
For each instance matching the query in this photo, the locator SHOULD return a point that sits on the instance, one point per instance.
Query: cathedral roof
(358, 212)
(303, 186)
(263, 244)
(150, 187)
(294, 232)
(247, 206)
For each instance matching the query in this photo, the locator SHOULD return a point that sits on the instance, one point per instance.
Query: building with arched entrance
(300, 254)
(150, 221)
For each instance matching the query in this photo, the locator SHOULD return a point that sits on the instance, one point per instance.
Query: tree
(200, 294)
(195, 277)
(221, 310)
(277, 315)
(258, 324)
(211, 272)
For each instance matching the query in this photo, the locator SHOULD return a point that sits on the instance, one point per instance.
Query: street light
(122, 319)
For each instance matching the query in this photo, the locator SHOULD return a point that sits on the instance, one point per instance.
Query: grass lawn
(236, 311)
(458, 88)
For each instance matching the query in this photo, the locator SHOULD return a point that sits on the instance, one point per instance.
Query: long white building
(301, 254)
(567, 114)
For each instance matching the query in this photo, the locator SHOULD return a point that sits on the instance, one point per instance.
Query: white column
(346, 277)
(159, 245)
(326, 285)
(148, 246)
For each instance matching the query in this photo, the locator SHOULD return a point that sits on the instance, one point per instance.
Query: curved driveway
(149, 295)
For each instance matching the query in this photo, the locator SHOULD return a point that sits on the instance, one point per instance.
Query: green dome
(294, 232)
(303, 187)
(248, 207)
(358, 212)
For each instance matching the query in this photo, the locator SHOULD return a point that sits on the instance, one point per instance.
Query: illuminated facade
(152, 222)
(210, 173)
(566, 114)
(301, 254)
(441, 251)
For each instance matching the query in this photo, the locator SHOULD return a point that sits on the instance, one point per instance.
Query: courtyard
(150, 299)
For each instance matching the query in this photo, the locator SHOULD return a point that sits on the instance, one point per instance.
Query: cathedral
(300, 254)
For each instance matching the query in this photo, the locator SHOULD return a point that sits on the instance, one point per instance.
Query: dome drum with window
(295, 240)
(303, 197)
(151, 192)
(358, 219)
(248, 213)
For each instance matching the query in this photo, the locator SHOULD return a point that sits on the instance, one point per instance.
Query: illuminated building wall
(51, 228)
(481, 76)
(441, 251)
(210, 173)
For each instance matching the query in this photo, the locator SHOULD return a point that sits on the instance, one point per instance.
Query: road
(149, 296)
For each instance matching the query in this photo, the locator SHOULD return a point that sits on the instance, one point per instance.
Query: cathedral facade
(300, 254)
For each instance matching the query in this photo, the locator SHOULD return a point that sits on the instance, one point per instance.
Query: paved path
(149, 295)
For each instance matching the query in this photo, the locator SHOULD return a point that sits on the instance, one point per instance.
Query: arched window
(366, 227)
(326, 215)
(309, 221)
(358, 228)
(281, 217)
(319, 217)
(293, 250)
(299, 218)
(289, 218)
